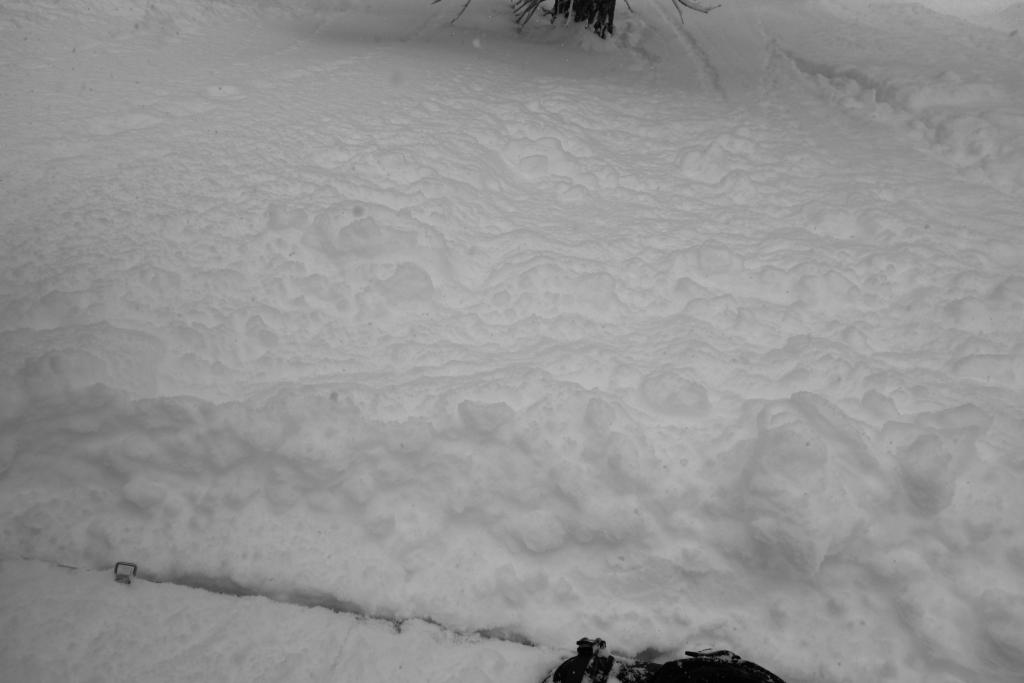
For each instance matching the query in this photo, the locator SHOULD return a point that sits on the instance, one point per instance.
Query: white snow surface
(709, 335)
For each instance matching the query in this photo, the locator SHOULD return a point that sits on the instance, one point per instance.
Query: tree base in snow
(599, 15)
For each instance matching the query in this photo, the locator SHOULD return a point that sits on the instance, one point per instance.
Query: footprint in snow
(224, 92)
(112, 125)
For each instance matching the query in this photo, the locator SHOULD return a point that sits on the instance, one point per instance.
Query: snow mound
(973, 124)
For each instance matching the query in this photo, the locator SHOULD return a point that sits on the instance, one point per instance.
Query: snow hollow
(707, 335)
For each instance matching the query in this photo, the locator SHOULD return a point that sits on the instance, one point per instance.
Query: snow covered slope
(82, 626)
(706, 336)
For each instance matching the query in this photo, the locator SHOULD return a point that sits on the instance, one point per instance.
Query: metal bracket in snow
(124, 572)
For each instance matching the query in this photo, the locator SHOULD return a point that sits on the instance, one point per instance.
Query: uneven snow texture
(711, 335)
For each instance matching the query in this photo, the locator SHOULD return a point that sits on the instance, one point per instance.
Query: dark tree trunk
(597, 14)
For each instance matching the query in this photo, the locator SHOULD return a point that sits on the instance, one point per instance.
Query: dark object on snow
(124, 572)
(719, 665)
(598, 15)
(593, 664)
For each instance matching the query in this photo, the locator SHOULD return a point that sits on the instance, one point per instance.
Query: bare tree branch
(524, 10)
(690, 4)
(434, 2)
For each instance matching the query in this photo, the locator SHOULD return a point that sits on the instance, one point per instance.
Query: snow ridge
(963, 110)
(971, 124)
